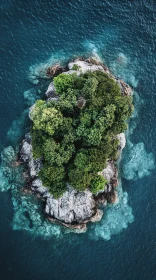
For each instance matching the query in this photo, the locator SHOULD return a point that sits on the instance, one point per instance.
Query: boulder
(51, 91)
(38, 187)
(97, 217)
(54, 70)
(26, 151)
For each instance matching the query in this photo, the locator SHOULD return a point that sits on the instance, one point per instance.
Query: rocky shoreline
(73, 209)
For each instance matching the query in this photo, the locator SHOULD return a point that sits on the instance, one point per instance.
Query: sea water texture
(36, 34)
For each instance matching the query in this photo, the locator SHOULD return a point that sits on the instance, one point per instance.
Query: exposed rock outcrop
(84, 66)
(39, 188)
(51, 93)
(26, 151)
(26, 156)
(54, 70)
(73, 206)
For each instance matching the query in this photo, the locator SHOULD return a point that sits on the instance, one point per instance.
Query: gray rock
(30, 111)
(73, 206)
(84, 66)
(26, 155)
(38, 187)
(35, 166)
(108, 188)
(109, 172)
(26, 151)
(122, 141)
(51, 91)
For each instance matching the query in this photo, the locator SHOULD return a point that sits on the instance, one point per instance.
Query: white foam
(92, 50)
(137, 163)
(124, 67)
(38, 70)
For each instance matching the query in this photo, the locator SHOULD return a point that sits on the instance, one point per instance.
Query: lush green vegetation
(77, 134)
(76, 67)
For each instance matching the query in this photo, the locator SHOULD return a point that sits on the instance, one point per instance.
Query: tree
(98, 184)
(76, 135)
(79, 179)
(46, 118)
(63, 82)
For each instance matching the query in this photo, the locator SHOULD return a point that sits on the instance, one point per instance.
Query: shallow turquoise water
(42, 31)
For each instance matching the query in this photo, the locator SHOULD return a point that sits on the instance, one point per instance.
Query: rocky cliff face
(74, 208)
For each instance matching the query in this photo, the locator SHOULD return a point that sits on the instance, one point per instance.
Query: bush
(76, 141)
(63, 82)
(76, 67)
(98, 184)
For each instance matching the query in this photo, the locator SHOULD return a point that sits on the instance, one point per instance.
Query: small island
(75, 140)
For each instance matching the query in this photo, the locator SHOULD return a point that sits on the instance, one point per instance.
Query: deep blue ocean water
(123, 245)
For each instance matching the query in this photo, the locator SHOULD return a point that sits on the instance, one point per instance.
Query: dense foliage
(77, 134)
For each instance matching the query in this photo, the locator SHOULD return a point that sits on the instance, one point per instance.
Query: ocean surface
(35, 34)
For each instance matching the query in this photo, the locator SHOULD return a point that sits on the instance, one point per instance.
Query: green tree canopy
(77, 134)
